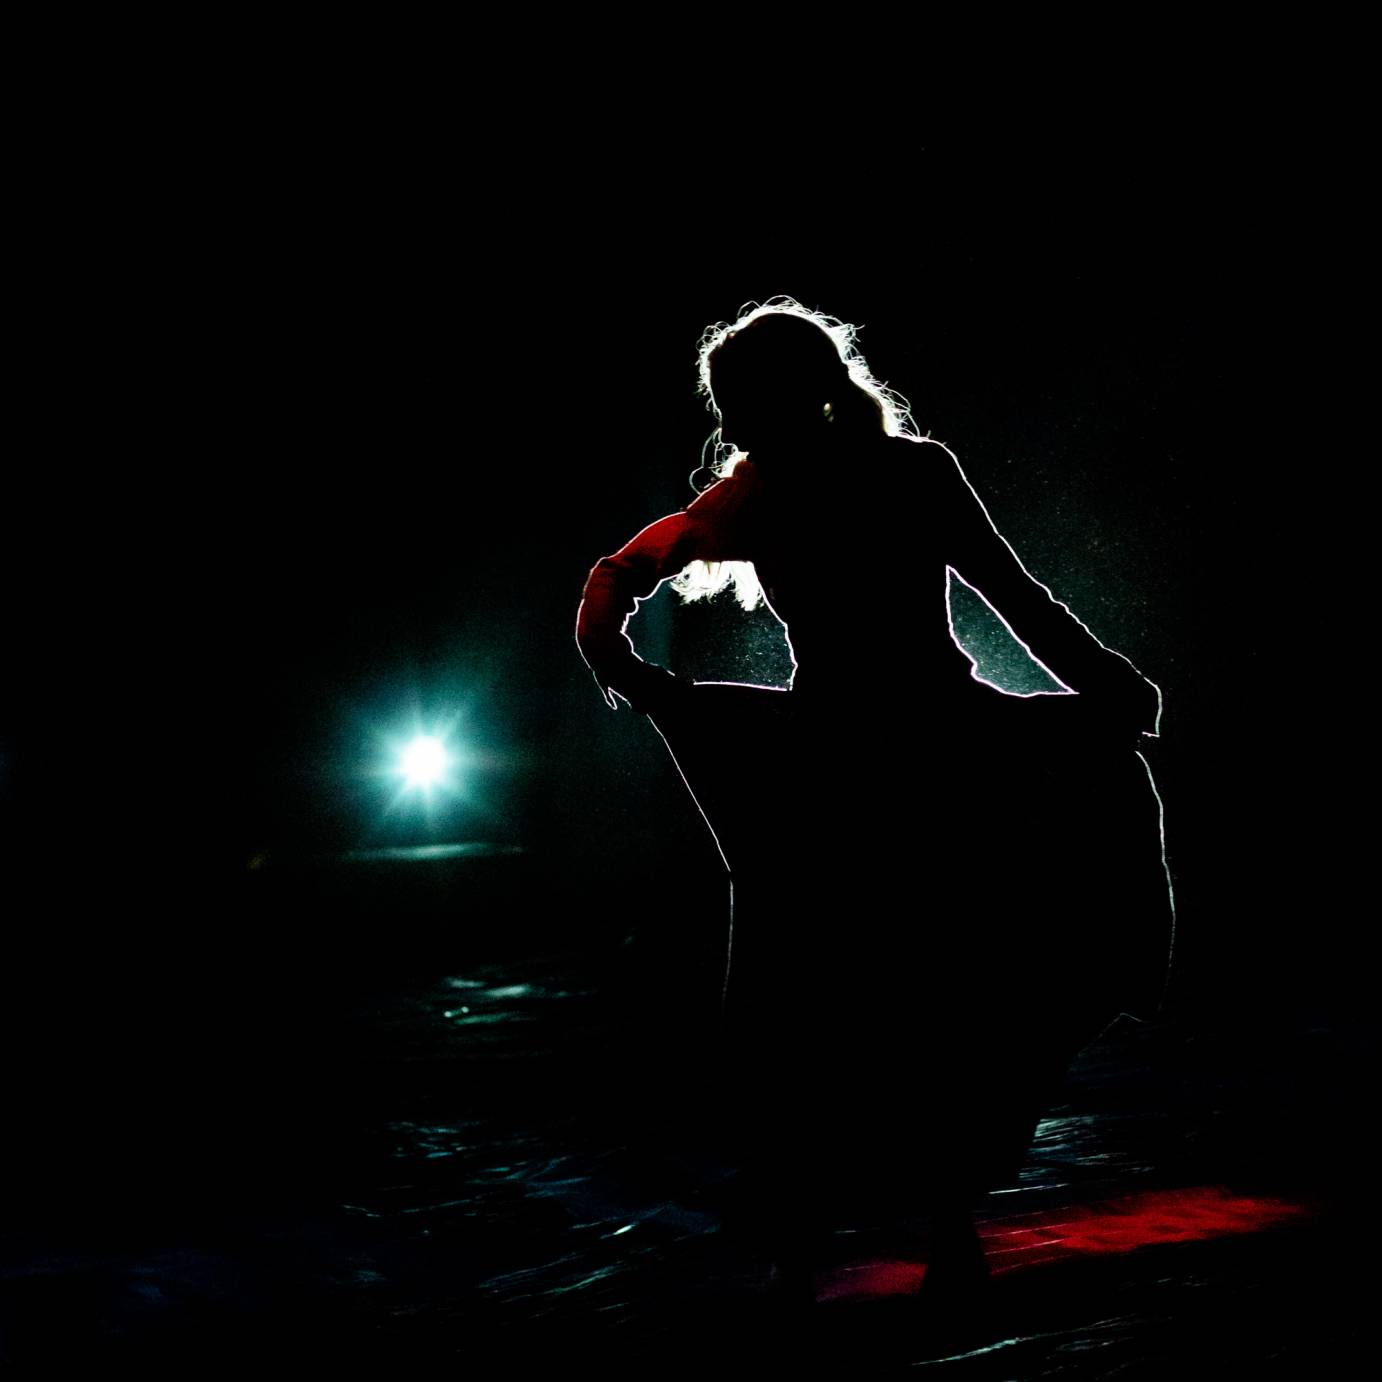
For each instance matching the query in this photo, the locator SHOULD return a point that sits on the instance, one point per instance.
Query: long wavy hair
(779, 359)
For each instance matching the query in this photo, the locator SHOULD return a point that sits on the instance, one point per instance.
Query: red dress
(941, 890)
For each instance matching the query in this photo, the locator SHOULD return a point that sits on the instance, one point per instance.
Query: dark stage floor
(512, 1163)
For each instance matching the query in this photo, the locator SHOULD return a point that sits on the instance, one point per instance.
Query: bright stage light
(425, 761)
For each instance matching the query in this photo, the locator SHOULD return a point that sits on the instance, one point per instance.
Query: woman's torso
(854, 566)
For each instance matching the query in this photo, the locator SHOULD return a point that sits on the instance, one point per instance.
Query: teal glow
(425, 761)
(428, 770)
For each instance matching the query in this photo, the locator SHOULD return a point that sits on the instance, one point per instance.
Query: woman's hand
(647, 687)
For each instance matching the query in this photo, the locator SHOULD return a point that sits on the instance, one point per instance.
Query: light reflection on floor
(1115, 1225)
(460, 1194)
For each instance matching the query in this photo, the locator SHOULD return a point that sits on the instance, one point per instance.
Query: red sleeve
(1053, 636)
(710, 529)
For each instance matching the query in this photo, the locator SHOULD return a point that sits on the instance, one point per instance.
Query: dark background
(333, 428)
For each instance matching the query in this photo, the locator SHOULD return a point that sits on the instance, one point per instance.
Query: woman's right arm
(1060, 642)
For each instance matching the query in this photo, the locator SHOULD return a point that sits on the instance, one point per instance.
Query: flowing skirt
(931, 915)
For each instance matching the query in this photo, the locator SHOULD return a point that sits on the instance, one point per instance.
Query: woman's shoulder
(926, 450)
(728, 494)
(930, 466)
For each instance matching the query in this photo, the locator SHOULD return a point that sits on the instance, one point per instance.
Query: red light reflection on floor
(1014, 1242)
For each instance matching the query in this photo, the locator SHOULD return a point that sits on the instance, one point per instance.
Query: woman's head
(783, 378)
(782, 375)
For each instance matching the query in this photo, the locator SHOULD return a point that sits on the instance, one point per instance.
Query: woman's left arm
(717, 526)
(1053, 636)
(611, 597)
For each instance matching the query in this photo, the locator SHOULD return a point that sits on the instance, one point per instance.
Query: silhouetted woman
(940, 891)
